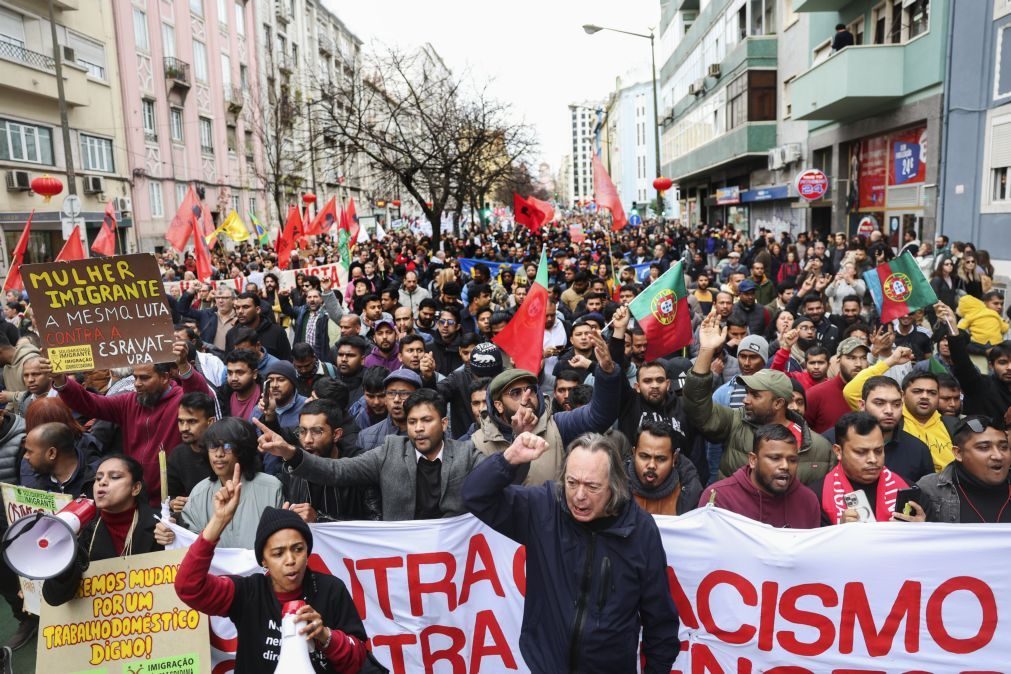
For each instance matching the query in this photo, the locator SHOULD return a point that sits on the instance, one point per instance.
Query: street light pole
(68, 152)
(590, 29)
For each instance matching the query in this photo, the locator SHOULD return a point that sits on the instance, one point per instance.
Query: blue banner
(466, 264)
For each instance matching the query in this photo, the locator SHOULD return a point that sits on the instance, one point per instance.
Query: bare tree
(275, 120)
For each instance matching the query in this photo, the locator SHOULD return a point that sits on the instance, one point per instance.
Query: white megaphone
(294, 655)
(42, 546)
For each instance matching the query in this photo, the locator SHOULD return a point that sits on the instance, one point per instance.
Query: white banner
(334, 271)
(446, 596)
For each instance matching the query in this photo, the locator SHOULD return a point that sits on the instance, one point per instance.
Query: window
(895, 35)
(1000, 157)
(240, 19)
(737, 102)
(857, 30)
(96, 154)
(223, 12)
(199, 61)
(206, 136)
(154, 193)
(787, 107)
(168, 40)
(232, 139)
(25, 142)
(789, 16)
(1002, 74)
(181, 189)
(88, 53)
(244, 77)
(140, 29)
(235, 203)
(917, 17)
(12, 28)
(226, 74)
(147, 111)
(176, 119)
(249, 146)
(1000, 185)
(879, 23)
(252, 206)
(197, 7)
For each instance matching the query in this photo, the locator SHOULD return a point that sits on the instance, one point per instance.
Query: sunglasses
(447, 322)
(978, 423)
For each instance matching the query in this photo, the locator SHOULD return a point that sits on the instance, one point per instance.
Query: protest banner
(125, 619)
(100, 313)
(21, 502)
(447, 595)
(334, 271)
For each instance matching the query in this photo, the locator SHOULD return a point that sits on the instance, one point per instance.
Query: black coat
(272, 338)
(983, 393)
(61, 589)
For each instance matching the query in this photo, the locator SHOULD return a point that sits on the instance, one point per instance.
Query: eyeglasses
(226, 448)
(398, 394)
(517, 392)
(447, 322)
(315, 431)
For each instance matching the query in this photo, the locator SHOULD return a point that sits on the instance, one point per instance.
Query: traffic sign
(71, 206)
(635, 219)
(812, 184)
(67, 225)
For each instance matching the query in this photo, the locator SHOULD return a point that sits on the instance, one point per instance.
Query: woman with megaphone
(124, 525)
(278, 612)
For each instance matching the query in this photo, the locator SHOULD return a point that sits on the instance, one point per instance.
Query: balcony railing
(176, 70)
(14, 52)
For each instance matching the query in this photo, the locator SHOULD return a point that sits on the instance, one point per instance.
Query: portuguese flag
(899, 288)
(662, 312)
(523, 336)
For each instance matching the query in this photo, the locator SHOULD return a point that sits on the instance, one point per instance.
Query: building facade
(975, 193)
(587, 120)
(630, 157)
(31, 136)
(875, 111)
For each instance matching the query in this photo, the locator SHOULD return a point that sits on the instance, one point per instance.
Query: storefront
(46, 237)
(887, 186)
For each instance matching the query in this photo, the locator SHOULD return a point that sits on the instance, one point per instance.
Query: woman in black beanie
(253, 603)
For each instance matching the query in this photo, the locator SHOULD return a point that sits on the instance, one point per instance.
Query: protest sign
(125, 619)
(20, 502)
(333, 271)
(100, 313)
(435, 595)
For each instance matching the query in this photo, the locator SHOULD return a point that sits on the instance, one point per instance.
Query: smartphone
(857, 500)
(904, 496)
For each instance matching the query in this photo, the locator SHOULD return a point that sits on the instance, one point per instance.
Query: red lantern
(308, 198)
(662, 184)
(428, 204)
(396, 203)
(47, 186)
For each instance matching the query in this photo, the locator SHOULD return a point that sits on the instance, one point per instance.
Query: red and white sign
(447, 595)
(812, 184)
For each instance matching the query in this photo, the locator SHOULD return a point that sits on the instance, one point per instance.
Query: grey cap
(755, 344)
(404, 375)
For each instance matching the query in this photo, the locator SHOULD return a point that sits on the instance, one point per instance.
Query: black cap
(486, 360)
(273, 520)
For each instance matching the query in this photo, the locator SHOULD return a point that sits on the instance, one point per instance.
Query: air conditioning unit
(775, 159)
(93, 185)
(792, 152)
(19, 181)
(69, 55)
(691, 89)
(123, 204)
(714, 70)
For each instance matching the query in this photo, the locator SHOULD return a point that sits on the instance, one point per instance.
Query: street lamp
(591, 29)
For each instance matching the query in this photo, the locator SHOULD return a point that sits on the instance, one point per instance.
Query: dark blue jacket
(588, 592)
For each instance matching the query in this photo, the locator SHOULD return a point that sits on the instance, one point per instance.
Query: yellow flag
(235, 228)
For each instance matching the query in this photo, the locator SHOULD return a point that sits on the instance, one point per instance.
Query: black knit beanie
(273, 520)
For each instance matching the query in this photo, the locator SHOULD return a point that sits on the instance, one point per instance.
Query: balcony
(851, 83)
(326, 45)
(177, 75)
(35, 73)
(749, 142)
(234, 99)
(281, 12)
(819, 5)
(284, 64)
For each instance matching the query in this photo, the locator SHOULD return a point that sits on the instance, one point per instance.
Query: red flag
(13, 281)
(180, 229)
(523, 336)
(105, 242)
(290, 234)
(352, 222)
(607, 195)
(544, 207)
(73, 249)
(527, 213)
(208, 222)
(324, 220)
(201, 252)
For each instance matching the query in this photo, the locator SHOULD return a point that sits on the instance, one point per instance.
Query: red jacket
(804, 377)
(145, 430)
(825, 404)
(798, 508)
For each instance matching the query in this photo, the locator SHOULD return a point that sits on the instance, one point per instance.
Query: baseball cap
(849, 345)
(769, 380)
(404, 375)
(734, 253)
(486, 360)
(755, 344)
(384, 321)
(746, 286)
(800, 320)
(503, 380)
(594, 316)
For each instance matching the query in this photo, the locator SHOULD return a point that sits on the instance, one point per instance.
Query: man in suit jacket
(419, 476)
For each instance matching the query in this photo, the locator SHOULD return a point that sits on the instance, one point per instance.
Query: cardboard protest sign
(125, 619)
(20, 502)
(100, 313)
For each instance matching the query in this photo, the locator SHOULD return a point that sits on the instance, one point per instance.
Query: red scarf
(118, 525)
(837, 485)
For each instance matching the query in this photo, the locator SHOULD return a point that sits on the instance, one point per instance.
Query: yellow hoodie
(932, 433)
(985, 325)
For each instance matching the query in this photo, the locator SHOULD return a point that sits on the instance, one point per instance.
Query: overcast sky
(534, 53)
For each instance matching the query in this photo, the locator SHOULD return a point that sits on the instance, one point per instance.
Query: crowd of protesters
(387, 399)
